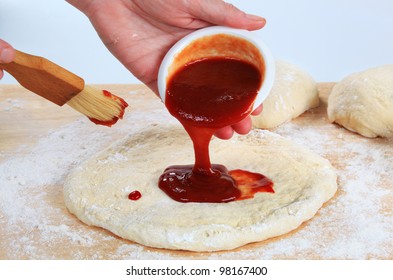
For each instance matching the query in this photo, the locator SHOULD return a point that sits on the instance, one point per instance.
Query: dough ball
(363, 102)
(294, 92)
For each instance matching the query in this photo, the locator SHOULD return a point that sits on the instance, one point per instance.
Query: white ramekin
(269, 64)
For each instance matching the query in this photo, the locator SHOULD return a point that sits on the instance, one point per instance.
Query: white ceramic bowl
(171, 61)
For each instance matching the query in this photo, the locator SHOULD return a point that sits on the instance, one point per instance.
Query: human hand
(140, 32)
(242, 127)
(7, 54)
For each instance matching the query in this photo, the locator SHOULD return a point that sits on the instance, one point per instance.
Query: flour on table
(355, 224)
(11, 104)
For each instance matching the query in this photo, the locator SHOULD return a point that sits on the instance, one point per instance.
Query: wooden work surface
(42, 228)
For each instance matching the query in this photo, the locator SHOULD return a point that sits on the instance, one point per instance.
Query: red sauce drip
(135, 195)
(123, 106)
(204, 96)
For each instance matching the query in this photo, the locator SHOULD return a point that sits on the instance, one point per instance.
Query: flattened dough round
(294, 92)
(96, 191)
(363, 102)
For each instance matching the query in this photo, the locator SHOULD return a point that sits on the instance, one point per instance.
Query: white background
(329, 39)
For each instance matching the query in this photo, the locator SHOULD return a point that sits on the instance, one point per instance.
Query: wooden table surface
(26, 117)
(28, 121)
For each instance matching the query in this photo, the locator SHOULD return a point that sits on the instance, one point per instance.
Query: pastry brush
(60, 86)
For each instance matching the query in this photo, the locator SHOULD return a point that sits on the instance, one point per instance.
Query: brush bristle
(100, 106)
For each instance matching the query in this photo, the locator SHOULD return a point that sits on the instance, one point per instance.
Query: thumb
(218, 12)
(6, 52)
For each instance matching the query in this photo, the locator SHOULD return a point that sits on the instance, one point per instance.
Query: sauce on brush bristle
(100, 106)
(122, 105)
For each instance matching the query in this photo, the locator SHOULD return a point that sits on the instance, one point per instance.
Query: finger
(1, 74)
(219, 12)
(243, 127)
(6, 52)
(224, 133)
(154, 87)
(257, 110)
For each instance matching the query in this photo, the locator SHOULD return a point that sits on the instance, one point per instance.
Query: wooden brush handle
(44, 77)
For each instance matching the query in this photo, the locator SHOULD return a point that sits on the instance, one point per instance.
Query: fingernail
(6, 55)
(256, 18)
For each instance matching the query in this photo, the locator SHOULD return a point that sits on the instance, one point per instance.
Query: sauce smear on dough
(206, 95)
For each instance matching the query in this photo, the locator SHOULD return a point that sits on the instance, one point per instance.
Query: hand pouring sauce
(206, 94)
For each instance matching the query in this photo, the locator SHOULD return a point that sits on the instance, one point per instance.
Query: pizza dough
(97, 190)
(363, 102)
(294, 92)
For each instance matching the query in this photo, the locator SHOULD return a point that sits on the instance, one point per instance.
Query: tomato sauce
(206, 95)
